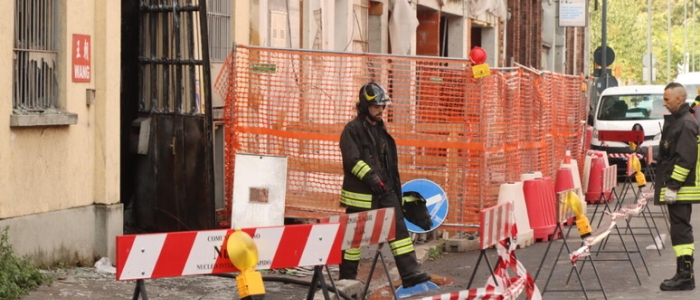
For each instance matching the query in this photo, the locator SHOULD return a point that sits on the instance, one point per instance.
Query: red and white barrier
(494, 224)
(513, 191)
(609, 179)
(497, 223)
(623, 155)
(364, 228)
(145, 256)
(541, 207)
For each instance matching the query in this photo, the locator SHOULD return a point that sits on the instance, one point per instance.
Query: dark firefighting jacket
(678, 157)
(361, 158)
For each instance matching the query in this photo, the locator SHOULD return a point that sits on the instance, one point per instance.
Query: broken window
(34, 64)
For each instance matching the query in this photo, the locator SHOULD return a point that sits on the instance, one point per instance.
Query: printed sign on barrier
(144, 256)
(437, 202)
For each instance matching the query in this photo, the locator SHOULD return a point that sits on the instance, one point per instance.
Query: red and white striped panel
(623, 155)
(480, 293)
(144, 256)
(495, 224)
(364, 228)
(505, 287)
(609, 178)
(489, 293)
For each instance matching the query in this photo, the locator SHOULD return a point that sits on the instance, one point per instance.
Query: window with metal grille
(34, 65)
(219, 18)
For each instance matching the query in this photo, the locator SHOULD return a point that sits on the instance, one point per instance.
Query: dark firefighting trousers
(681, 230)
(401, 247)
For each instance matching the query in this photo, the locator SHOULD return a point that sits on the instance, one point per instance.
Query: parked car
(624, 108)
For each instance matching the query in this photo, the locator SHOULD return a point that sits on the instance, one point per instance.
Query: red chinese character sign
(81, 58)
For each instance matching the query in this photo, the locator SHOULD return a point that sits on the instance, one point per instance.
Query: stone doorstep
(461, 245)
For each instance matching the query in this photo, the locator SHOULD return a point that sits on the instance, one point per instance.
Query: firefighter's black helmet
(371, 93)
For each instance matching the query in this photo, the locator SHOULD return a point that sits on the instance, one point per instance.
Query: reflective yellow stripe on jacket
(356, 199)
(686, 193)
(679, 173)
(360, 169)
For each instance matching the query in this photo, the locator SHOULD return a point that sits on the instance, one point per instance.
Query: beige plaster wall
(51, 168)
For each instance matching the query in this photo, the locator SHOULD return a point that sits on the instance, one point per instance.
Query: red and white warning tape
(507, 287)
(607, 226)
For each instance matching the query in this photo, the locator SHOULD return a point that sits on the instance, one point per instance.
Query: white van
(624, 107)
(691, 83)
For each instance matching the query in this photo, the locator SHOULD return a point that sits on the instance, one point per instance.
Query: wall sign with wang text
(81, 58)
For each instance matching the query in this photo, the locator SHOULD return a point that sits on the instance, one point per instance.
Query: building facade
(59, 139)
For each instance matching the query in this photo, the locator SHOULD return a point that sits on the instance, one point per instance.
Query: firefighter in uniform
(371, 181)
(678, 185)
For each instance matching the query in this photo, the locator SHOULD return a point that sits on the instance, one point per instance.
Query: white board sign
(572, 13)
(259, 189)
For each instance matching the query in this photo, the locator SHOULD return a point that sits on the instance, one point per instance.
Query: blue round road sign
(436, 198)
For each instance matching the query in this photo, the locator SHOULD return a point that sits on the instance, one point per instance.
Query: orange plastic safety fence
(467, 135)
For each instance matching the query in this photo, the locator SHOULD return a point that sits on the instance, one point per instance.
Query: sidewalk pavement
(615, 271)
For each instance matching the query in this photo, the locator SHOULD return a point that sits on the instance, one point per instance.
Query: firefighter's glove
(375, 183)
(415, 210)
(670, 196)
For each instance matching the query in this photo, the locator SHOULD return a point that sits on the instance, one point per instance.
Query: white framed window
(34, 64)
(278, 29)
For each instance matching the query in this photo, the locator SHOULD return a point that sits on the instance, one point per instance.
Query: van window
(631, 107)
(692, 90)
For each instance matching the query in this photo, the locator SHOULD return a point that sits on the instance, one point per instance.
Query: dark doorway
(167, 177)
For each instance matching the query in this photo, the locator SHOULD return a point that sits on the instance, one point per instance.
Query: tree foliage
(627, 27)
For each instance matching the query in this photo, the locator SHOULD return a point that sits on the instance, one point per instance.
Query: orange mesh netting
(467, 135)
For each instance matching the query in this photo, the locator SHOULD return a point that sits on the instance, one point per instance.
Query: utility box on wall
(259, 189)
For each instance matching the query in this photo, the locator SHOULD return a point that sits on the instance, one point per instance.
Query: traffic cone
(595, 181)
(564, 180)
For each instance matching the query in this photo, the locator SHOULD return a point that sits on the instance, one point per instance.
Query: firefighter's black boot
(348, 269)
(684, 280)
(679, 265)
(409, 270)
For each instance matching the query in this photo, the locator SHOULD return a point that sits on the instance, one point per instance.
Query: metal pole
(692, 31)
(604, 45)
(651, 62)
(685, 36)
(668, 45)
(575, 63)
